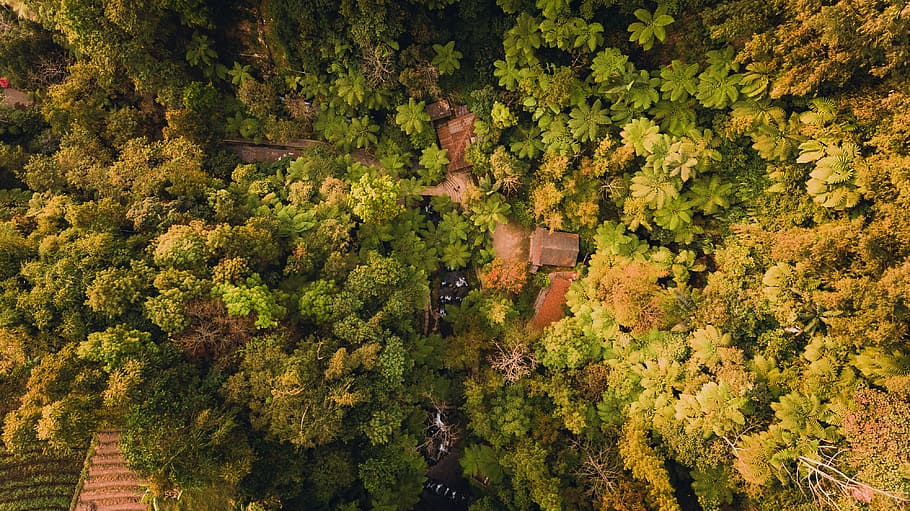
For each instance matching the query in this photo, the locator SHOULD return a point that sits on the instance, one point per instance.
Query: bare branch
(600, 469)
(513, 363)
(441, 435)
(825, 481)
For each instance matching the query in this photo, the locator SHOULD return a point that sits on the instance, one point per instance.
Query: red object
(455, 135)
(4, 82)
(553, 248)
(548, 308)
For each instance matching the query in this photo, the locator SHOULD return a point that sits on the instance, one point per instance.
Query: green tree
(374, 198)
(678, 80)
(287, 394)
(650, 26)
(717, 89)
(61, 405)
(481, 462)
(646, 465)
(394, 475)
(586, 121)
(502, 116)
(115, 346)
(239, 74)
(412, 117)
(447, 58)
(249, 297)
(434, 158)
(489, 212)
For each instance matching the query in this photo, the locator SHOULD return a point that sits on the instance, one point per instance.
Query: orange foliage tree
(506, 275)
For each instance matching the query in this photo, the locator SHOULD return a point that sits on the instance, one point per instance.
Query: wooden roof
(455, 135)
(549, 306)
(439, 110)
(553, 248)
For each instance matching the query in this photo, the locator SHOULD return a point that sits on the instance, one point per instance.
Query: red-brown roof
(455, 135)
(549, 309)
(439, 110)
(553, 248)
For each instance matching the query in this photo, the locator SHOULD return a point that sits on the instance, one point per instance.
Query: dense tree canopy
(310, 332)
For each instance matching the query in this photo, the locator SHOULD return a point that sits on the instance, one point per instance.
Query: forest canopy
(318, 328)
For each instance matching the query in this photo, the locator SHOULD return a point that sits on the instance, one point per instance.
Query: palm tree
(586, 121)
(711, 194)
(522, 39)
(640, 134)
(650, 27)
(676, 117)
(675, 213)
(453, 227)
(508, 73)
(489, 212)
(526, 143)
(199, 51)
(412, 116)
(481, 462)
(679, 80)
(456, 255)
(361, 133)
(608, 64)
(351, 88)
(717, 89)
(777, 140)
(434, 158)
(447, 58)
(756, 79)
(239, 73)
(654, 187)
(588, 35)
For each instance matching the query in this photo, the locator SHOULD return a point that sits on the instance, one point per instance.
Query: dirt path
(511, 241)
(13, 97)
(455, 185)
(251, 152)
(110, 484)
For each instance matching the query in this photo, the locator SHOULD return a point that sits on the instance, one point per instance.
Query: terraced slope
(37, 482)
(110, 485)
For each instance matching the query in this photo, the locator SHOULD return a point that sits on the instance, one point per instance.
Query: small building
(553, 248)
(456, 134)
(439, 110)
(549, 305)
